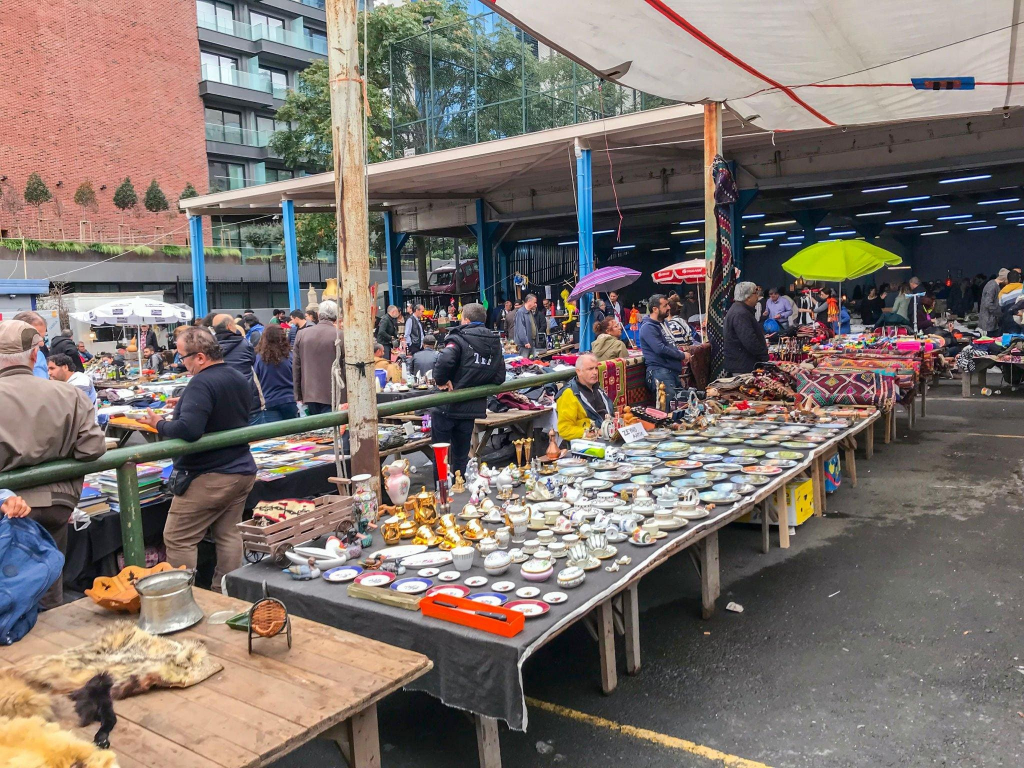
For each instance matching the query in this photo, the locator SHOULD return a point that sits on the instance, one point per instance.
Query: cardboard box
(799, 503)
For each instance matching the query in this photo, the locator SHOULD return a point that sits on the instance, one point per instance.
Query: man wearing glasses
(209, 487)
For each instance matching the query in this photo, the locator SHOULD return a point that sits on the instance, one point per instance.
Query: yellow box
(799, 504)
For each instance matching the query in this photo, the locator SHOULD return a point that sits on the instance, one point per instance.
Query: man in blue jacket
(664, 360)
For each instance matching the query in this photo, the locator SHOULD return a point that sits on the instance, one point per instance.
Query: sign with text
(633, 432)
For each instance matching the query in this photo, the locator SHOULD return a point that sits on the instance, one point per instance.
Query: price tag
(633, 432)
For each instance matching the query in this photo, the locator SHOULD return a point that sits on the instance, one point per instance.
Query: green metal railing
(124, 460)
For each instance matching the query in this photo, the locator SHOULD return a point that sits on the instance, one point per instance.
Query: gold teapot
(425, 535)
(425, 506)
(391, 533)
(407, 529)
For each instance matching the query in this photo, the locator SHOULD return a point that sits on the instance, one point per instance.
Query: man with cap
(43, 421)
(988, 309)
(36, 321)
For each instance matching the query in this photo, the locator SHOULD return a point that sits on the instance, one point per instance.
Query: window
(224, 176)
(279, 174)
(267, 22)
(220, 69)
(267, 125)
(317, 40)
(223, 125)
(227, 231)
(278, 78)
(216, 15)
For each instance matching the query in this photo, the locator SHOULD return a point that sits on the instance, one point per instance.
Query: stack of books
(151, 484)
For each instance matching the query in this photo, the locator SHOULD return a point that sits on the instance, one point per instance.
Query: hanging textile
(723, 275)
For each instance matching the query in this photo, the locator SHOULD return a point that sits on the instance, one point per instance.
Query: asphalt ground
(889, 634)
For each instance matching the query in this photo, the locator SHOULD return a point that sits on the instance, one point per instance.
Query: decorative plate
(452, 590)
(554, 598)
(342, 573)
(674, 524)
(707, 474)
(803, 444)
(489, 598)
(727, 466)
(630, 487)
(475, 581)
(401, 552)
(602, 465)
(734, 487)
(571, 461)
(427, 560)
(428, 572)
(669, 472)
(692, 482)
(757, 479)
(659, 434)
(718, 497)
(615, 476)
(375, 578)
(448, 575)
(527, 592)
(593, 484)
(727, 440)
(670, 455)
(551, 506)
(762, 442)
(684, 464)
(696, 439)
(529, 608)
(784, 463)
(412, 586)
(637, 452)
(648, 481)
(785, 455)
(762, 469)
(503, 586)
(674, 445)
(644, 461)
(751, 452)
(574, 472)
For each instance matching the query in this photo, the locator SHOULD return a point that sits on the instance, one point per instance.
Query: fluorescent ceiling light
(780, 233)
(790, 245)
(978, 177)
(936, 232)
(883, 189)
(903, 267)
(686, 232)
(769, 240)
(753, 216)
(658, 250)
(695, 250)
(930, 208)
(530, 240)
(1014, 218)
(844, 232)
(1007, 213)
(909, 199)
(956, 217)
(896, 222)
(754, 247)
(780, 223)
(822, 229)
(810, 197)
(570, 242)
(795, 237)
(622, 247)
(604, 232)
(690, 242)
(975, 229)
(874, 213)
(968, 223)
(694, 221)
(1003, 201)
(920, 226)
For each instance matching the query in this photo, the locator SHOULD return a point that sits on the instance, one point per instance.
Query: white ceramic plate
(448, 576)
(503, 586)
(427, 560)
(475, 581)
(398, 553)
(554, 598)
(427, 572)
(527, 592)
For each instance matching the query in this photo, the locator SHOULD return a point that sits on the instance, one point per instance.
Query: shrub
(107, 249)
(125, 197)
(176, 250)
(65, 246)
(15, 244)
(142, 250)
(188, 191)
(263, 235)
(155, 200)
(216, 250)
(36, 192)
(85, 196)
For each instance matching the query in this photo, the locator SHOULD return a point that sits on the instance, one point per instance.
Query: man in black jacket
(387, 332)
(745, 345)
(65, 345)
(219, 480)
(239, 354)
(471, 358)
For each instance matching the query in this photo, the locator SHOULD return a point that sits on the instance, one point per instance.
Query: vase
(364, 498)
(398, 482)
(553, 452)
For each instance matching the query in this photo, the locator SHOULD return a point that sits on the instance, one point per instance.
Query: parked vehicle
(446, 280)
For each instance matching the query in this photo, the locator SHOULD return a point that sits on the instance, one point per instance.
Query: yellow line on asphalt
(986, 434)
(662, 740)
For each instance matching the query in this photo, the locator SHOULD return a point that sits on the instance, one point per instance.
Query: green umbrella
(839, 260)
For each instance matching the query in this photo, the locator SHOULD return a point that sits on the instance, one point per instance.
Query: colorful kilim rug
(723, 276)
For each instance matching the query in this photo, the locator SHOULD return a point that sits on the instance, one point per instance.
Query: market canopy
(796, 64)
(839, 260)
(134, 311)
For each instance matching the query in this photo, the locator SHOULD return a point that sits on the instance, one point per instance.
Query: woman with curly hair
(273, 369)
(608, 345)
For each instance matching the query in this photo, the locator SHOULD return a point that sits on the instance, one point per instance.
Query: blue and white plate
(489, 598)
(342, 573)
(412, 586)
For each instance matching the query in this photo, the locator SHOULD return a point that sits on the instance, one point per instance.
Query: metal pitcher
(167, 603)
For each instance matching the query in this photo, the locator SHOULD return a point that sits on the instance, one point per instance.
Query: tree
(85, 197)
(315, 232)
(36, 192)
(188, 191)
(155, 200)
(261, 236)
(125, 197)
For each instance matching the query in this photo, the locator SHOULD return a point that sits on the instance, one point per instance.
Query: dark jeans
(458, 432)
(55, 520)
(280, 413)
(656, 376)
(315, 409)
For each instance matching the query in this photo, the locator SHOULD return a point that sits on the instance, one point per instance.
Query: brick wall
(98, 91)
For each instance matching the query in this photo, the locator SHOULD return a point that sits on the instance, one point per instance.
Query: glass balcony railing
(321, 4)
(233, 134)
(226, 183)
(262, 32)
(232, 76)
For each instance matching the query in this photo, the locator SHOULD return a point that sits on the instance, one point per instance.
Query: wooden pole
(348, 91)
(712, 147)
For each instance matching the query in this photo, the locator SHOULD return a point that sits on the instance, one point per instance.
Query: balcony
(240, 87)
(260, 34)
(228, 183)
(229, 134)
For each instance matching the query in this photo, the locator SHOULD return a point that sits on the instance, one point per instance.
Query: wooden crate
(330, 514)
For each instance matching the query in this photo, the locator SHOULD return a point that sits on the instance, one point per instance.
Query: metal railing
(262, 32)
(234, 134)
(124, 460)
(253, 81)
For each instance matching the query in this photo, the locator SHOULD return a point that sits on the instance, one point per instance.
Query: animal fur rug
(31, 742)
(135, 661)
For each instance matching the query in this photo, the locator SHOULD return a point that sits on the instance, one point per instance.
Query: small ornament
(460, 485)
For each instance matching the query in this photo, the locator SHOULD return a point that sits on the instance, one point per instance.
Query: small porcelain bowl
(571, 577)
(496, 563)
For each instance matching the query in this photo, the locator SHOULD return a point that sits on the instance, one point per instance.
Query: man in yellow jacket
(582, 405)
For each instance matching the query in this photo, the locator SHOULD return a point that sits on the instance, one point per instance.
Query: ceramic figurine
(504, 480)
(365, 499)
(474, 496)
(459, 486)
(398, 481)
(471, 471)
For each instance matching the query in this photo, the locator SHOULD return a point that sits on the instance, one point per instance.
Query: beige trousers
(213, 501)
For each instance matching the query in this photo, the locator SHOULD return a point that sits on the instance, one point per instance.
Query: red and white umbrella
(693, 271)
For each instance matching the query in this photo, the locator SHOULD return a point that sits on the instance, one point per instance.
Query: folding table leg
(783, 512)
(487, 746)
(631, 619)
(710, 578)
(606, 644)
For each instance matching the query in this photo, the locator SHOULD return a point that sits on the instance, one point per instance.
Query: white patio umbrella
(135, 311)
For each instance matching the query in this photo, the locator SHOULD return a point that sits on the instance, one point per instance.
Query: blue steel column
(505, 251)
(291, 254)
(585, 215)
(393, 242)
(485, 253)
(195, 236)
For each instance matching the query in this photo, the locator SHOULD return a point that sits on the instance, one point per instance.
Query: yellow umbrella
(839, 260)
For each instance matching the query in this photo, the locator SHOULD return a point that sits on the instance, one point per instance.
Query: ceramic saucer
(674, 525)
(427, 572)
(475, 581)
(448, 576)
(529, 608)
(342, 573)
(503, 586)
(412, 586)
(527, 592)
(554, 598)
(489, 598)
(375, 578)
(452, 590)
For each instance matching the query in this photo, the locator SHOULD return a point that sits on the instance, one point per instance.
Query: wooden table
(518, 422)
(259, 707)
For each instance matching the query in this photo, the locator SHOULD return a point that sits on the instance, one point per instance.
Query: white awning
(791, 64)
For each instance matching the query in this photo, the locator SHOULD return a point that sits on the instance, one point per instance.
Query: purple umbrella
(605, 279)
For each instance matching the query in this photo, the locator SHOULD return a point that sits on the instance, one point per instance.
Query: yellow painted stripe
(986, 434)
(662, 740)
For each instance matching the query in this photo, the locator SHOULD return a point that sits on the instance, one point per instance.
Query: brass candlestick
(519, 452)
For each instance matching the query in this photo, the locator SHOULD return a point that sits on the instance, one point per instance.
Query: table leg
(849, 455)
(631, 619)
(965, 384)
(479, 439)
(869, 441)
(710, 578)
(818, 485)
(783, 513)
(924, 396)
(606, 644)
(765, 527)
(357, 739)
(912, 412)
(487, 746)
(890, 417)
